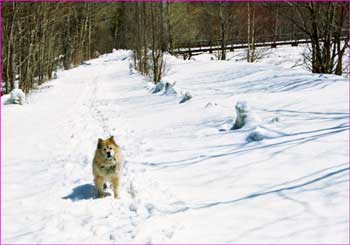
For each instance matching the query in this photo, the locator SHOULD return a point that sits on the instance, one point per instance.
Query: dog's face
(107, 148)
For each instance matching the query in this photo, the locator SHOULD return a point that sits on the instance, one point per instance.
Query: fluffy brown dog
(106, 165)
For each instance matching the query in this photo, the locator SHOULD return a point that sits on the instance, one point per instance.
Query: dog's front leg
(115, 185)
(99, 182)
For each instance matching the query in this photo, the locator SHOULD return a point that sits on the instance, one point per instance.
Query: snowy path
(186, 178)
(49, 151)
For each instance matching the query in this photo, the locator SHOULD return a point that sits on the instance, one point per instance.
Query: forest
(41, 37)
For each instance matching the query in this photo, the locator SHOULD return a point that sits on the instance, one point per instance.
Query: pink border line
(349, 118)
(96, 1)
(0, 120)
(103, 1)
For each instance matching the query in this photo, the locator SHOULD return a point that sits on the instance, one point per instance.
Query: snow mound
(245, 117)
(155, 88)
(164, 87)
(167, 87)
(185, 97)
(17, 96)
(260, 133)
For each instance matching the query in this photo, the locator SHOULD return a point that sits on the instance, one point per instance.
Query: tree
(251, 32)
(326, 25)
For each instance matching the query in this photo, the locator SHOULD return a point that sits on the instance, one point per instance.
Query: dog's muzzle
(109, 154)
(109, 157)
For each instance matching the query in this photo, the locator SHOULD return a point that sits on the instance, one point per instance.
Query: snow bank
(282, 56)
(167, 87)
(17, 96)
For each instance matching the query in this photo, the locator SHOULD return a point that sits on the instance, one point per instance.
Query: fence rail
(272, 41)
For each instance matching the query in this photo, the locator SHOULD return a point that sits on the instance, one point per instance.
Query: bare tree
(251, 32)
(326, 25)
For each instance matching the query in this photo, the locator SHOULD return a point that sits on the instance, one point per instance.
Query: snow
(17, 96)
(5, 98)
(187, 177)
(283, 56)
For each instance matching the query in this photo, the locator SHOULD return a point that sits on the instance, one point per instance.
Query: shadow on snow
(82, 192)
(278, 189)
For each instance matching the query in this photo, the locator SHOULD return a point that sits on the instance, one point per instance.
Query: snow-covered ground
(282, 56)
(187, 178)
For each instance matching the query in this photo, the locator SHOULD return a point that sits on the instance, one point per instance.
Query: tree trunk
(275, 27)
(251, 33)
(222, 29)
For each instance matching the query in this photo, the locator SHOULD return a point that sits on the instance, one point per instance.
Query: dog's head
(107, 148)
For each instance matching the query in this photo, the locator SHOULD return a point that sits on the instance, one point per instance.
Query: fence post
(295, 43)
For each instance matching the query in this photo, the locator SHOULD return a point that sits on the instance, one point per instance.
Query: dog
(106, 166)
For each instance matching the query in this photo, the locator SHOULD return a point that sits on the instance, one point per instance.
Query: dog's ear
(111, 139)
(99, 143)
